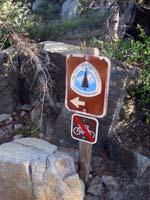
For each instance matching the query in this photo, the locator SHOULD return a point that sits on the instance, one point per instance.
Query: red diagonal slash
(77, 120)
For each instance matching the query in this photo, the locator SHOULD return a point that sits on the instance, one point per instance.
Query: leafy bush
(143, 92)
(30, 130)
(19, 18)
(91, 20)
(135, 53)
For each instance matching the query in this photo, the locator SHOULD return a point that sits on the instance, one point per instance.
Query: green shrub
(30, 130)
(134, 53)
(143, 92)
(92, 20)
(20, 19)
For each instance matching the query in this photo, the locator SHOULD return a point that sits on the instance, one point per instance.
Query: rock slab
(70, 9)
(32, 169)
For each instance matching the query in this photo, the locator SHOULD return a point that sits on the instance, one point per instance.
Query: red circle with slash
(84, 128)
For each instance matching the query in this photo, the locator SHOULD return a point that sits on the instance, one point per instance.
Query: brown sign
(84, 128)
(87, 84)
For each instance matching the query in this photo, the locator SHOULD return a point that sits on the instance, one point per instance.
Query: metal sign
(87, 84)
(84, 128)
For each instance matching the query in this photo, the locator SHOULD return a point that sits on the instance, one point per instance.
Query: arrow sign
(87, 84)
(76, 102)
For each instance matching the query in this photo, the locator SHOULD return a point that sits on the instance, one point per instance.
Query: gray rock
(141, 192)
(34, 169)
(37, 144)
(74, 153)
(121, 77)
(4, 117)
(110, 182)
(2, 133)
(36, 4)
(7, 92)
(23, 113)
(18, 126)
(95, 186)
(10, 119)
(9, 127)
(143, 163)
(59, 47)
(26, 107)
(17, 136)
(134, 163)
(115, 195)
(129, 14)
(18, 107)
(2, 57)
(91, 197)
(70, 9)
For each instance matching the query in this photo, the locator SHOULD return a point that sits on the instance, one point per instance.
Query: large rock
(36, 4)
(32, 169)
(135, 164)
(121, 77)
(70, 9)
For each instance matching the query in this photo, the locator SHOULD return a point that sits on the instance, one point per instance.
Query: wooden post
(85, 149)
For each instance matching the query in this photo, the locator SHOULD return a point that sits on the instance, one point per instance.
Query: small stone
(4, 117)
(110, 182)
(16, 118)
(17, 136)
(10, 119)
(14, 113)
(41, 135)
(18, 107)
(9, 127)
(2, 133)
(95, 186)
(26, 107)
(18, 126)
(23, 113)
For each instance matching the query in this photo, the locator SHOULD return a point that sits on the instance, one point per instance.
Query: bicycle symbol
(78, 131)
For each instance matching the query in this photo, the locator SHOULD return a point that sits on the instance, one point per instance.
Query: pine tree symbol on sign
(85, 81)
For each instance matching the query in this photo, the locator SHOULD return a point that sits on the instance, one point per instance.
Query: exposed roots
(30, 62)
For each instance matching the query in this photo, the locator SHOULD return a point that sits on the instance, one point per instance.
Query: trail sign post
(87, 84)
(84, 128)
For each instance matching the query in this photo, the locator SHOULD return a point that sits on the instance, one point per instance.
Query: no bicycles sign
(84, 128)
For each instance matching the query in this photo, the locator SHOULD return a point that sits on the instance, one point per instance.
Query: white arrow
(76, 102)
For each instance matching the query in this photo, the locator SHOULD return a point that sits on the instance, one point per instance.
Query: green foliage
(134, 53)
(30, 130)
(91, 20)
(4, 38)
(19, 18)
(128, 51)
(143, 92)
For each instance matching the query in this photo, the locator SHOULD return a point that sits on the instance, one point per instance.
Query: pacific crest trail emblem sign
(87, 84)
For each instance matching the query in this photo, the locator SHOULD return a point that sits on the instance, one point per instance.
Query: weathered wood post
(85, 149)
